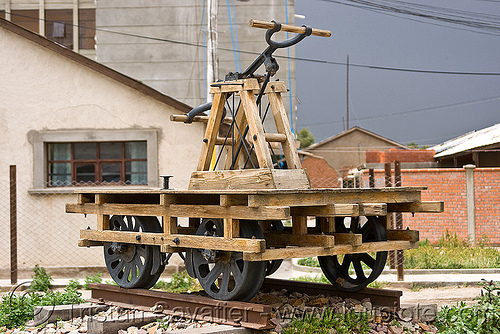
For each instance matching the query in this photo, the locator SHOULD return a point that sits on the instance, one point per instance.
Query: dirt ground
(449, 295)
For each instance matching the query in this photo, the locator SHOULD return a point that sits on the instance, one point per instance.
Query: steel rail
(234, 313)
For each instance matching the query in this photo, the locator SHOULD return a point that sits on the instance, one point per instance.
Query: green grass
(452, 253)
(449, 253)
(97, 278)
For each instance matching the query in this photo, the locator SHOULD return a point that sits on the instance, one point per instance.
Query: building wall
(449, 185)
(378, 156)
(43, 91)
(179, 69)
(348, 151)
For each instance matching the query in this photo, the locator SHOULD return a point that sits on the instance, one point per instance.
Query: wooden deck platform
(266, 205)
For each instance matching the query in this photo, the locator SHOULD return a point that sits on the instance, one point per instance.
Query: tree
(416, 146)
(305, 137)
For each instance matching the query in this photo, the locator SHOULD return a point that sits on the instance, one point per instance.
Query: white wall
(41, 91)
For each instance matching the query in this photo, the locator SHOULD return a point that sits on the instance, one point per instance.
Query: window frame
(98, 162)
(39, 140)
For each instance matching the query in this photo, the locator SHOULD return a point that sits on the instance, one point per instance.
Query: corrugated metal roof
(469, 141)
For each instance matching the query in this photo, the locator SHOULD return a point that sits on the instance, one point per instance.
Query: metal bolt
(138, 237)
(205, 140)
(176, 241)
(254, 137)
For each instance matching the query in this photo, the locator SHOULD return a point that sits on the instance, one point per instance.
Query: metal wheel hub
(225, 275)
(352, 272)
(134, 265)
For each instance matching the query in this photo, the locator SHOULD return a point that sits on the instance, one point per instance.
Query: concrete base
(104, 325)
(51, 314)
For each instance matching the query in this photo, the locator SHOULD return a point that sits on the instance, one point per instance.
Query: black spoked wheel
(134, 265)
(273, 265)
(352, 272)
(225, 275)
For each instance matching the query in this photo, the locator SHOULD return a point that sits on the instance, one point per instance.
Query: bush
(92, 279)
(41, 280)
(16, 310)
(484, 317)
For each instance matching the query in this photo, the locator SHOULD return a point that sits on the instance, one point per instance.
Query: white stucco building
(67, 121)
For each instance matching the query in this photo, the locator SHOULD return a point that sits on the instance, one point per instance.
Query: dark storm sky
(405, 107)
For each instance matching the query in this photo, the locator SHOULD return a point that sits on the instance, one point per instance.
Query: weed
(92, 279)
(41, 280)
(483, 317)
(16, 310)
(180, 282)
(416, 288)
(451, 253)
(308, 261)
(378, 284)
(73, 285)
(316, 279)
(330, 322)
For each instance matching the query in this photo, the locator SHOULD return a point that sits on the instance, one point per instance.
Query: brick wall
(321, 174)
(376, 156)
(449, 185)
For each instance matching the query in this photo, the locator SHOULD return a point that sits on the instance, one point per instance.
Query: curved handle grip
(289, 28)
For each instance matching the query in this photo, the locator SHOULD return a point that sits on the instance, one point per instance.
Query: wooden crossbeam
(175, 240)
(174, 210)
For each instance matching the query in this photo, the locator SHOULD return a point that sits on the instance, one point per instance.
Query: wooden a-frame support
(262, 175)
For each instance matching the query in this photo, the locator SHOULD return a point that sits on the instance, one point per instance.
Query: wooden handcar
(250, 209)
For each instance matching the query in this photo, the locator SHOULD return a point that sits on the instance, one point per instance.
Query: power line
(318, 61)
(479, 22)
(446, 106)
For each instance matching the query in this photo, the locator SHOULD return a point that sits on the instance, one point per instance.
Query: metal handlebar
(285, 27)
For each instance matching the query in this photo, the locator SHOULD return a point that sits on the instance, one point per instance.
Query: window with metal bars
(97, 163)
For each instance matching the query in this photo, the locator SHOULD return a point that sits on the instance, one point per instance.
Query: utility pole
(347, 123)
(212, 55)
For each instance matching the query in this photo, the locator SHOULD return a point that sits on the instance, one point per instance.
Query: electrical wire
(318, 61)
(446, 106)
(479, 22)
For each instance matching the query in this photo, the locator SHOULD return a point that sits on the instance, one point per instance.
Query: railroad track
(235, 313)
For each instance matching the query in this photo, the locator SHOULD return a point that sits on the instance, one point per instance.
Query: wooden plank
(431, 207)
(85, 198)
(232, 179)
(326, 198)
(332, 210)
(291, 179)
(256, 129)
(283, 127)
(406, 235)
(299, 225)
(300, 252)
(347, 239)
(235, 86)
(207, 149)
(276, 87)
(280, 239)
(89, 243)
(102, 220)
(250, 179)
(372, 209)
(193, 211)
(231, 228)
(176, 240)
(290, 28)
